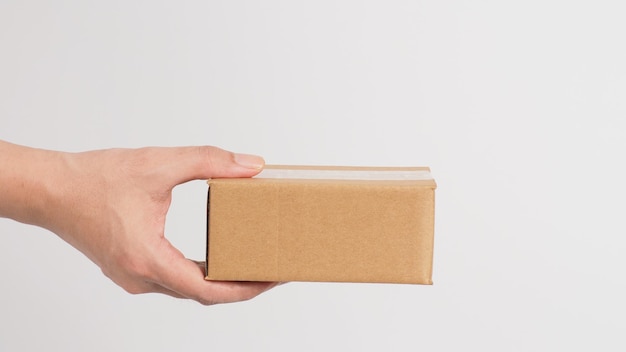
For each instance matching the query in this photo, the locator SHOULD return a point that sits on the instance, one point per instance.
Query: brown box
(340, 224)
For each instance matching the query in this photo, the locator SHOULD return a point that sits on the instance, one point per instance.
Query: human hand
(111, 205)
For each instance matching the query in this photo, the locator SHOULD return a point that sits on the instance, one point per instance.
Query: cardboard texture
(334, 224)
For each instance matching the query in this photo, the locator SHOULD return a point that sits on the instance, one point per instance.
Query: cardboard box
(337, 224)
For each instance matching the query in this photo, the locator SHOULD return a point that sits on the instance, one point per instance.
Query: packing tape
(365, 175)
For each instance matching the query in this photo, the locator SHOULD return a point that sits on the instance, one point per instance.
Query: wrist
(28, 179)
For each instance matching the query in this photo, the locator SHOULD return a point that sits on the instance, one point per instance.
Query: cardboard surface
(336, 224)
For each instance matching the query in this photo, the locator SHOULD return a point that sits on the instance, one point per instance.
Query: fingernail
(250, 161)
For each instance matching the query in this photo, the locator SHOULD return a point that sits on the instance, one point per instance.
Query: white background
(518, 107)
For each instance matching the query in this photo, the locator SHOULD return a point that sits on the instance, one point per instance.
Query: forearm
(27, 182)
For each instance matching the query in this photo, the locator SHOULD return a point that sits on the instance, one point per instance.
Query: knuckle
(205, 302)
(203, 299)
(236, 295)
(139, 161)
(213, 157)
(248, 296)
(136, 289)
(129, 285)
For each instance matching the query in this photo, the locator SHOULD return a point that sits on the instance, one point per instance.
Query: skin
(111, 205)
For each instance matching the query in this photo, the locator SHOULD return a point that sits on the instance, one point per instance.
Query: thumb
(194, 163)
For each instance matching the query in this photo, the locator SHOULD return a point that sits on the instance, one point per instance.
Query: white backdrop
(519, 107)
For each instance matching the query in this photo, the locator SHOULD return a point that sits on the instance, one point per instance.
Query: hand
(111, 205)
